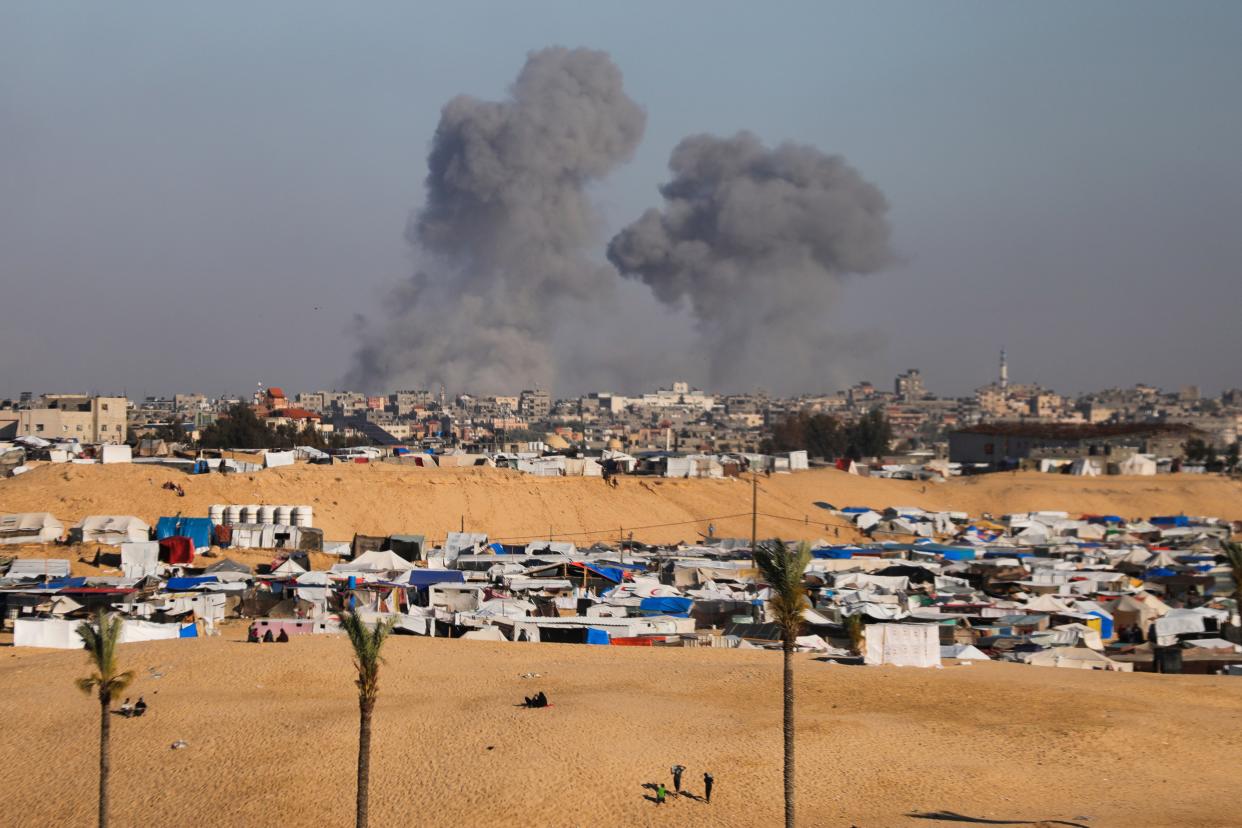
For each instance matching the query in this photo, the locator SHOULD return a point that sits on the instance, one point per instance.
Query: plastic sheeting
(903, 645)
(140, 559)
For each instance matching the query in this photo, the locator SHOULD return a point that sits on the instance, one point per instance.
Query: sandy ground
(272, 733)
(385, 498)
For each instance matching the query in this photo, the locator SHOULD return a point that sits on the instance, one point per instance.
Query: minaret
(1004, 371)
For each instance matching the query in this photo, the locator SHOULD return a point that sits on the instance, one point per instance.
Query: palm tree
(366, 642)
(101, 639)
(1233, 551)
(783, 569)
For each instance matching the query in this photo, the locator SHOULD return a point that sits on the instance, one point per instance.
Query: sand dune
(384, 498)
(272, 735)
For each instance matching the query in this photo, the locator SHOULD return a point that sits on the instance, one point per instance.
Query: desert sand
(384, 498)
(272, 734)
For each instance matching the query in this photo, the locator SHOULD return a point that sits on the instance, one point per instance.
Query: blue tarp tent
(1171, 520)
(427, 577)
(677, 607)
(189, 631)
(183, 584)
(832, 553)
(1160, 572)
(65, 583)
(198, 530)
(611, 573)
(594, 635)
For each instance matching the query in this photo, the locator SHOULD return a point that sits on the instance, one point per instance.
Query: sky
(202, 197)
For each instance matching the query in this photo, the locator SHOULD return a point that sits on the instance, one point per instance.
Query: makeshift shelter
(198, 530)
(1079, 658)
(1138, 464)
(30, 527)
(116, 454)
(33, 569)
(110, 529)
(903, 645)
(177, 550)
(409, 547)
(375, 561)
(140, 558)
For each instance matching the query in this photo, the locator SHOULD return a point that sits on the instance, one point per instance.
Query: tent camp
(30, 527)
(109, 529)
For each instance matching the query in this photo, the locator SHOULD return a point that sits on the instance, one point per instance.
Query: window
(79, 426)
(103, 406)
(38, 426)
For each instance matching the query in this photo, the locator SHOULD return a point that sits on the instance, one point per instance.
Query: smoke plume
(755, 241)
(502, 242)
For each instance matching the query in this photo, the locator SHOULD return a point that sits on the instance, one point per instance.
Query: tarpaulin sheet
(427, 577)
(183, 584)
(903, 645)
(677, 607)
(197, 530)
(595, 635)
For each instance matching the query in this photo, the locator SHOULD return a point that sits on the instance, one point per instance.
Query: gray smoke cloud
(502, 242)
(755, 241)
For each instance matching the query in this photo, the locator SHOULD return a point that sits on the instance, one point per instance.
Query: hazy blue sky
(202, 196)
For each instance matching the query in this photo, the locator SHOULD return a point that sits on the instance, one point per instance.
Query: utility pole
(754, 511)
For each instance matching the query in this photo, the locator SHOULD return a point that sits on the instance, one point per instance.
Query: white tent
(903, 645)
(61, 634)
(963, 652)
(1084, 467)
(374, 561)
(140, 559)
(1138, 464)
(35, 568)
(485, 634)
(1080, 658)
(289, 567)
(272, 459)
(116, 454)
(109, 529)
(30, 527)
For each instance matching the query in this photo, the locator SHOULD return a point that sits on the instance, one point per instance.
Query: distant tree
(101, 640)
(239, 428)
(366, 642)
(1195, 450)
(1231, 456)
(784, 570)
(870, 436)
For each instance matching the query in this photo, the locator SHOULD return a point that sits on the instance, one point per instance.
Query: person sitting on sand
(127, 708)
(253, 635)
(140, 707)
(268, 638)
(660, 794)
(283, 638)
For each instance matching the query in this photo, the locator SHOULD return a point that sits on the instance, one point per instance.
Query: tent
(30, 527)
(31, 569)
(116, 454)
(109, 529)
(140, 558)
(1137, 464)
(198, 530)
(177, 549)
(375, 561)
(903, 645)
(1080, 658)
(485, 634)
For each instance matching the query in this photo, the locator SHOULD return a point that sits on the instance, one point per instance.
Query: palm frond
(366, 641)
(101, 639)
(784, 570)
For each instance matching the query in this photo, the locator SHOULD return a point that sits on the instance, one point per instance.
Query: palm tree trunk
(789, 736)
(365, 706)
(105, 702)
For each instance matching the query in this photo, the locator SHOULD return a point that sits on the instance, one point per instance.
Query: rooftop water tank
(302, 516)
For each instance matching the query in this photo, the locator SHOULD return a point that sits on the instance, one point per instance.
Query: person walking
(677, 771)
(707, 787)
(660, 794)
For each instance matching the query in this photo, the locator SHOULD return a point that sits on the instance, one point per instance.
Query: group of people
(677, 771)
(129, 711)
(268, 638)
(537, 700)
